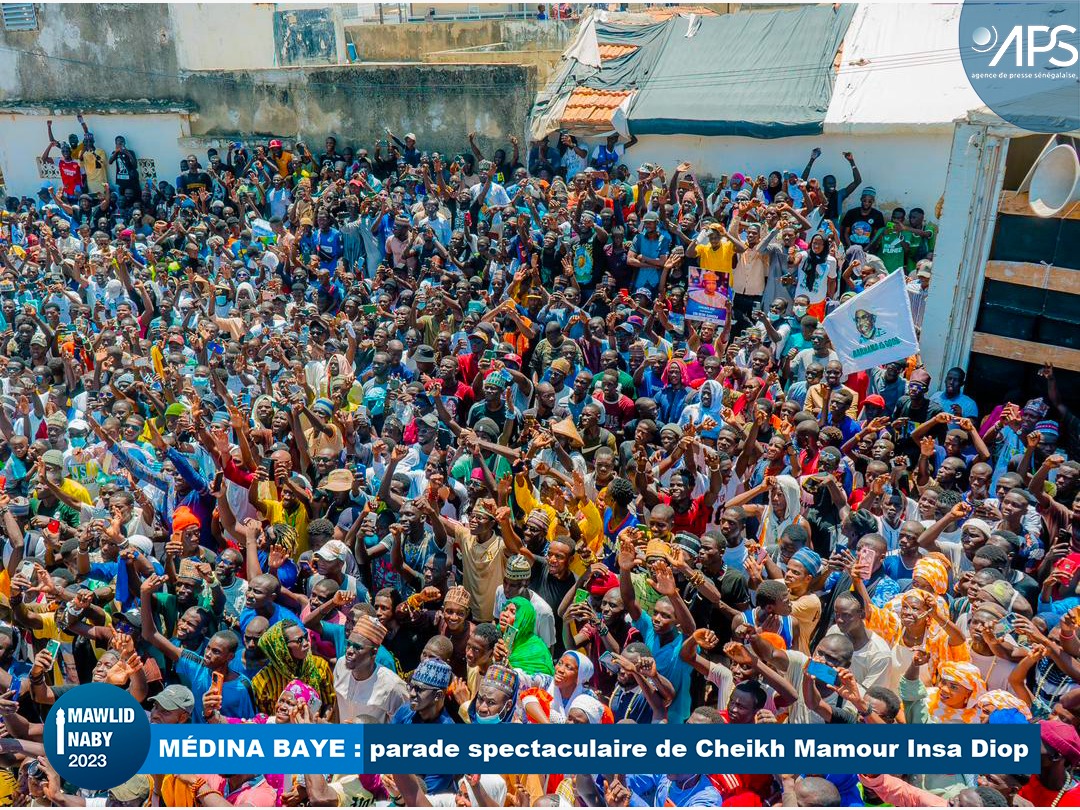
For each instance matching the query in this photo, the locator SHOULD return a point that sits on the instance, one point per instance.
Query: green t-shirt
(463, 467)
(891, 250)
(920, 246)
(626, 384)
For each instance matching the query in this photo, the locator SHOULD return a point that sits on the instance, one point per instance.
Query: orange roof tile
(615, 51)
(593, 107)
(660, 13)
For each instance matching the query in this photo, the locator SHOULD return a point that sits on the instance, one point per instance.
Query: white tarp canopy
(900, 68)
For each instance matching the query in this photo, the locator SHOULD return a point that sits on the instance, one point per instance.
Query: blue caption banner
(513, 748)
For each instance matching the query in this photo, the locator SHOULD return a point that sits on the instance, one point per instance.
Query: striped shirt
(917, 295)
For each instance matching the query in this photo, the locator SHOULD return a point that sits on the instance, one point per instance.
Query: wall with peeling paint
(441, 103)
(116, 51)
(212, 67)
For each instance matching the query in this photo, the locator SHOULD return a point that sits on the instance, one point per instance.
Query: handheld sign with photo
(874, 327)
(708, 295)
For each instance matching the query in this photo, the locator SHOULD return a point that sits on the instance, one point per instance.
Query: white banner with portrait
(874, 327)
(708, 295)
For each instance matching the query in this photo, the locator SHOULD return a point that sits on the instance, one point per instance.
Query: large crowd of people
(393, 436)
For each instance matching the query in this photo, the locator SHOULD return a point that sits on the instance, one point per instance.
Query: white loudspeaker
(1055, 181)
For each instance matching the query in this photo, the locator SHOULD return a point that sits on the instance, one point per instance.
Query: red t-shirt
(616, 414)
(71, 175)
(859, 382)
(694, 520)
(468, 365)
(1041, 796)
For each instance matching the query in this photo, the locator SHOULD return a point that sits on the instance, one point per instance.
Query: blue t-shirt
(435, 782)
(894, 567)
(235, 695)
(650, 249)
(699, 794)
(280, 614)
(335, 634)
(670, 665)
(238, 666)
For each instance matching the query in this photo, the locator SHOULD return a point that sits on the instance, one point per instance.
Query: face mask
(487, 720)
(77, 441)
(776, 318)
(221, 300)
(200, 383)
(799, 310)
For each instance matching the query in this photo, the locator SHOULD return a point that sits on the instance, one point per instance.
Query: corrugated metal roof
(593, 107)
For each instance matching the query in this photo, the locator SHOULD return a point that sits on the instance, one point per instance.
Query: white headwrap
(772, 525)
(495, 786)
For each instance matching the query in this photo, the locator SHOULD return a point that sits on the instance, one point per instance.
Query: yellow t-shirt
(73, 489)
(49, 631)
(719, 259)
(94, 163)
(806, 611)
(298, 519)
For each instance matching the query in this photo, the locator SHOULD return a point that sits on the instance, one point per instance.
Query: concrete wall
(23, 138)
(409, 42)
(137, 42)
(439, 102)
(907, 170)
(233, 91)
(225, 36)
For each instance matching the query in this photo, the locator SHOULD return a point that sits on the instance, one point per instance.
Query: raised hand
(738, 653)
(663, 580)
(705, 638)
(627, 556)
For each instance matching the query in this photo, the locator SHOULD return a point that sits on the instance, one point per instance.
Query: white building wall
(907, 170)
(223, 36)
(23, 138)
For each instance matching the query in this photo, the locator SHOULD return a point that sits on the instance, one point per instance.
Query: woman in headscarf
(999, 699)
(289, 658)
(481, 790)
(913, 621)
(954, 700)
(587, 709)
(783, 509)
(548, 699)
(528, 654)
(262, 412)
(709, 406)
(773, 186)
(337, 366)
(670, 398)
(291, 704)
(815, 276)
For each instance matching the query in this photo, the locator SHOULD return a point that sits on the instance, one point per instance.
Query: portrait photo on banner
(709, 295)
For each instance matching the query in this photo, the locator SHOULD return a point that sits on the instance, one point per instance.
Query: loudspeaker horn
(1055, 181)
